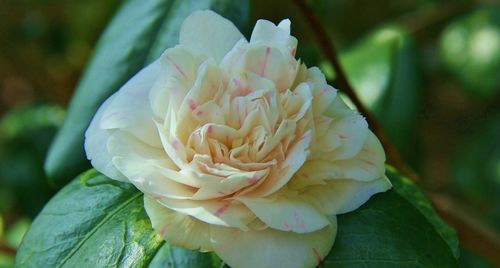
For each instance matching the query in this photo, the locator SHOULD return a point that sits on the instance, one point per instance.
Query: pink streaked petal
(268, 248)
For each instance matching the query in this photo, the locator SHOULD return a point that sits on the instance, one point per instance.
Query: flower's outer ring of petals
(351, 131)
(141, 164)
(287, 212)
(323, 93)
(130, 108)
(219, 212)
(271, 248)
(367, 165)
(176, 228)
(208, 33)
(342, 196)
(95, 138)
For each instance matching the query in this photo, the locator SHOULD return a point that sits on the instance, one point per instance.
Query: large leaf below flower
(98, 222)
(139, 33)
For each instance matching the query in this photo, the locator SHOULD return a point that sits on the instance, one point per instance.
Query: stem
(472, 234)
(7, 249)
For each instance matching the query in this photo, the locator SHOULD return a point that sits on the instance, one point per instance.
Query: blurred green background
(428, 70)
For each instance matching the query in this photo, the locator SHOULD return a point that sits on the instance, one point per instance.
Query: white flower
(238, 147)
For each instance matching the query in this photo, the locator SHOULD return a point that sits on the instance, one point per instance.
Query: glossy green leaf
(137, 34)
(98, 222)
(382, 69)
(470, 49)
(170, 256)
(412, 193)
(393, 229)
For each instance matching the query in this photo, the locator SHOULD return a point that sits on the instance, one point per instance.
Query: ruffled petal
(178, 229)
(130, 109)
(342, 196)
(265, 31)
(271, 248)
(367, 165)
(218, 212)
(95, 138)
(287, 212)
(207, 33)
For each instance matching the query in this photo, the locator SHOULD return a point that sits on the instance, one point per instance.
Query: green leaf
(137, 34)
(170, 256)
(98, 222)
(412, 193)
(393, 229)
(382, 69)
(470, 50)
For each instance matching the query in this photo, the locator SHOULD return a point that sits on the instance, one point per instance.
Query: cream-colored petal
(218, 212)
(342, 196)
(130, 109)
(344, 139)
(140, 163)
(176, 228)
(270, 248)
(176, 77)
(207, 33)
(95, 140)
(367, 165)
(268, 33)
(287, 212)
(323, 93)
(297, 155)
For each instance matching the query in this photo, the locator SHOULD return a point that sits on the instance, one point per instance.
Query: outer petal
(218, 212)
(177, 228)
(287, 213)
(130, 109)
(142, 165)
(367, 165)
(207, 33)
(271, 248)
(342, 196)
(95, 140)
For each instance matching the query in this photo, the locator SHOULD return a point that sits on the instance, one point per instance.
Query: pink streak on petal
(317, 255)
(253, 180)
(210, 129)
(192, 105)
(175, 144)
(221, 210)
(177, 67)
(266, 59)
(368, 162)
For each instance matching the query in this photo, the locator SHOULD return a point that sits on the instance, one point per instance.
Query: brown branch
(328, 49)
(7, 249)
(471, 234)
